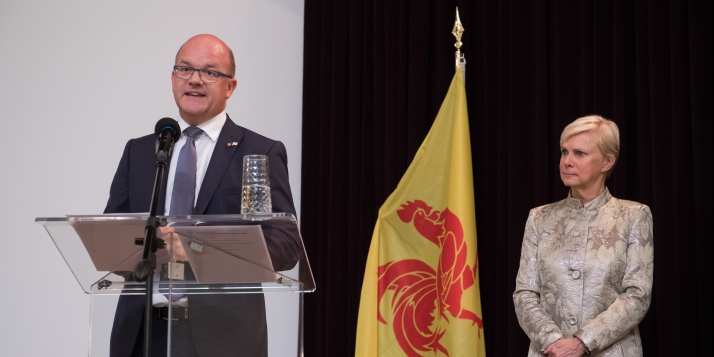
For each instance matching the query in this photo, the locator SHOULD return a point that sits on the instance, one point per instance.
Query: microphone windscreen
(170, 124)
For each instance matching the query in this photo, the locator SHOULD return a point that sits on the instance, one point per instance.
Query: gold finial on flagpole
(457, 31)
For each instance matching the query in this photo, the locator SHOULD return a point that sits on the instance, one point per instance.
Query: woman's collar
(595, 204)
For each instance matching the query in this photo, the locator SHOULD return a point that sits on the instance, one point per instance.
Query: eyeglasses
(206, 75)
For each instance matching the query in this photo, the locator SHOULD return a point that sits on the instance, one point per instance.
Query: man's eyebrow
(187, 63)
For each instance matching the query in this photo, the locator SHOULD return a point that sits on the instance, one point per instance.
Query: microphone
(168, 132)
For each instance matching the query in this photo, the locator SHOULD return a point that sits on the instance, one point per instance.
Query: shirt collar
(595, 204)
(211, 127)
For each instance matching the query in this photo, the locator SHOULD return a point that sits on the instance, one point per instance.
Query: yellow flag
(420, 295)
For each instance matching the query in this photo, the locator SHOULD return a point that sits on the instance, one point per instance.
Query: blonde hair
(603, 130)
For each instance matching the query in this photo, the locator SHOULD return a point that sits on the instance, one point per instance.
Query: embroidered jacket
(586, 272)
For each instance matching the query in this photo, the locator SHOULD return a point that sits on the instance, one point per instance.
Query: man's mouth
(194, 94)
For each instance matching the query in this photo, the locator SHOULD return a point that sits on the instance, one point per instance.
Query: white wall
(78, 78)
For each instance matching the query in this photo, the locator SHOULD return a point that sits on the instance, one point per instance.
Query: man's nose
(195, 78)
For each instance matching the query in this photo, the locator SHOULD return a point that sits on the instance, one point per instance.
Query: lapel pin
(232, 144)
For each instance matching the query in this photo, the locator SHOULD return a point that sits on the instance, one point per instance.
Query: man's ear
(232, 85)
(172, 78)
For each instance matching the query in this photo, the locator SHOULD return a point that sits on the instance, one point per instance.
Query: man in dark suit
(219, 325)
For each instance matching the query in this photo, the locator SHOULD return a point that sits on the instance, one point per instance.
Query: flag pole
(458, 31)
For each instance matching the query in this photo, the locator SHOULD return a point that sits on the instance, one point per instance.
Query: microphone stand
(144, 270)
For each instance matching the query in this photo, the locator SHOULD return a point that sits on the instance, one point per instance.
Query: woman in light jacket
(585, 276)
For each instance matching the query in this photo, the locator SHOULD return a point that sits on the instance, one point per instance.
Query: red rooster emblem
(419, 290)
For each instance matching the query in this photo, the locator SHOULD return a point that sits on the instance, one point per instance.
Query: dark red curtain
(376, 73)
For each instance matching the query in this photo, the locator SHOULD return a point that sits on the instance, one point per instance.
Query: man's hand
(569, 347)
(168, 234)
(178, 252)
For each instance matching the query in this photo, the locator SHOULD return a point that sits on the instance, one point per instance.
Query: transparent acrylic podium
(207, 258)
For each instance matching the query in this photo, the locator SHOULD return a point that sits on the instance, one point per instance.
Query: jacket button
(572, 321)
(575, 274)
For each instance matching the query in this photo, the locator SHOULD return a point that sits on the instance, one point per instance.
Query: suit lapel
(221, 158)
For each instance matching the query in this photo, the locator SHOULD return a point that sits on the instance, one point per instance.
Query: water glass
(256, 185)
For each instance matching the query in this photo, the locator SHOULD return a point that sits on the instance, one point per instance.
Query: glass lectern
(206, 259)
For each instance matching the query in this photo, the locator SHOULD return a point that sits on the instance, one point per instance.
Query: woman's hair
(603, 130)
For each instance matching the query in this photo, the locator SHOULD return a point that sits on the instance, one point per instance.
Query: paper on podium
(110, 244)
(225, 254)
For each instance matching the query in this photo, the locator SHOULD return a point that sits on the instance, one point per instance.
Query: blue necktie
(184, 190)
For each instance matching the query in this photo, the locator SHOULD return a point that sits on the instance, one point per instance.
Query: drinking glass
(256, 185)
